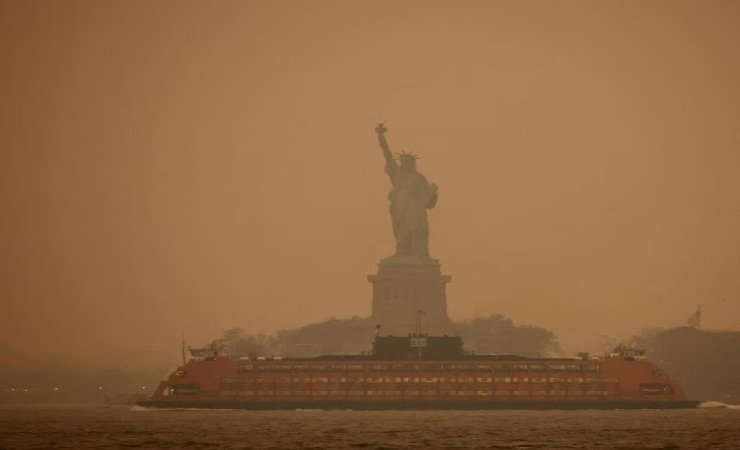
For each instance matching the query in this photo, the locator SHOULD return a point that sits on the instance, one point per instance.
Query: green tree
(499, 334)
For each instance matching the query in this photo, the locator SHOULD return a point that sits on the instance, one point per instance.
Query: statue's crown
(406, 155)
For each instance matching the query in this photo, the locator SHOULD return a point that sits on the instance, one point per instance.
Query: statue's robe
(410, 197)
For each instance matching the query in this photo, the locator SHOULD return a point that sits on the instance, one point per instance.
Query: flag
(695, 319)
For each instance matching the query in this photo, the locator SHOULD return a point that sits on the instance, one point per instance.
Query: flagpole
(419, 313)
(698, 317)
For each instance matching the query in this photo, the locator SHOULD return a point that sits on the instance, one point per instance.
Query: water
(715, 426)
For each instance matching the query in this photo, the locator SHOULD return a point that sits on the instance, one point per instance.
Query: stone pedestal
(402, 288)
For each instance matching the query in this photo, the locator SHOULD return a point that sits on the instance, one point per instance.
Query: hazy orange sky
(177, 166)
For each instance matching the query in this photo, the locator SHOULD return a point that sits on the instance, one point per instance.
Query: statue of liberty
(410, 197)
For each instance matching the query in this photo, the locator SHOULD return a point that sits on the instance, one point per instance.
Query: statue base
(402, 287)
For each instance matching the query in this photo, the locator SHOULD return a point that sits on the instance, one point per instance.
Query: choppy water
(715, 426)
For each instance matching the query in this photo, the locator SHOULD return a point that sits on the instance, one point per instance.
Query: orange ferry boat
(419, 372)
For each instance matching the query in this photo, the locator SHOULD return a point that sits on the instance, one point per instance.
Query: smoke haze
(181, 166)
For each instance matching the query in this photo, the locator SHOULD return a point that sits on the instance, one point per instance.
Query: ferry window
(573, 367)
(482, 367)
(185, 389)
(537, 368)
(379, 367)
(397, 367)
(575, 380)
(502, 380)
(539, 380)
(338, 367)
(519, 367)
(319, 368)
(558, 380)
(592, 368)
(502, 368)
(557, 368)
(301, 368)
(593, 380)
(355, 367)
(611, 380)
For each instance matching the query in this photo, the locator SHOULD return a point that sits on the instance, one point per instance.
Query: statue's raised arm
(381, 129)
